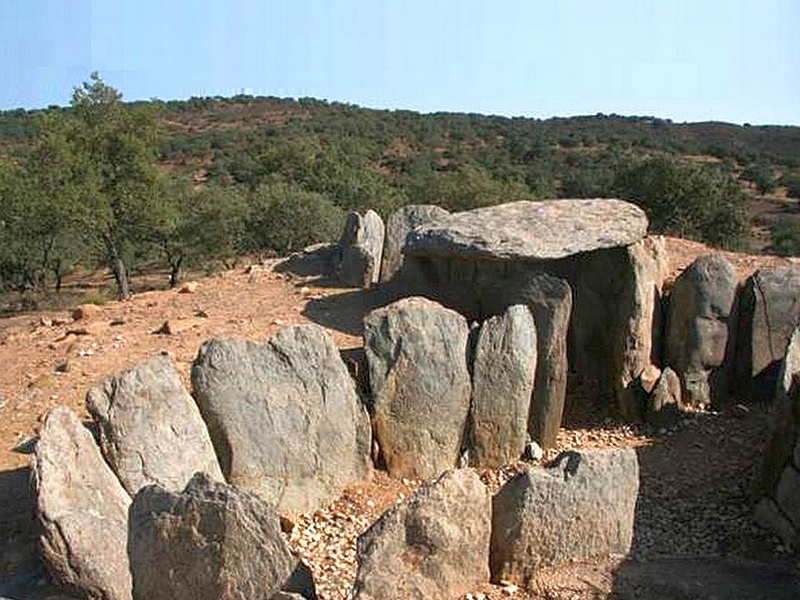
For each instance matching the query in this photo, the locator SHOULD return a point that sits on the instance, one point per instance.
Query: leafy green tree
(286, 218)
(467, 187)
(200, 225)
(688, 200)
(119, 142)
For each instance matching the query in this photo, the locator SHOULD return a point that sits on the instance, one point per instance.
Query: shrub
(688, 200)
(285, 218)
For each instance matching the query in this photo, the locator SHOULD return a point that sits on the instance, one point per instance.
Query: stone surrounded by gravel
(435, 545)
(769, 311)
(502, 383)
(417, 355)
(150, 428)
(82, 508)
(638, 318)
(210, 541)
(580, 507)
(398, 226)
(527, 230)
(701, 308)
(665, 404)
(284, 416)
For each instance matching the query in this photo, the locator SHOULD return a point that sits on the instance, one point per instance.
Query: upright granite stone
(284, 416)
(543, 230)
(398, 226)
(417, 356)
(82, 508)
(502, 383)
(769, 310)
(150, 428)
(550, 300)
(433, 546)
(638, 340)
(361, 248)
(701, 315)
(783, 434)
(581, 506)
(209, 542)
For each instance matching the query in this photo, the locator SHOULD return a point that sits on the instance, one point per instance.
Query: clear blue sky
(733, 60)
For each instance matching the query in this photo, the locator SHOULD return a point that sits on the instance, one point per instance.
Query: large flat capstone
(527, 230)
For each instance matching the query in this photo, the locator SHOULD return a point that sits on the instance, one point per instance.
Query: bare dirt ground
(693, 517)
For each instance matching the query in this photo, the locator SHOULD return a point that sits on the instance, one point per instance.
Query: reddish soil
(48, 358)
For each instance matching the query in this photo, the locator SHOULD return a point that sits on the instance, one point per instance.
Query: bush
(688, 200)
(786, 239)
(285, 218)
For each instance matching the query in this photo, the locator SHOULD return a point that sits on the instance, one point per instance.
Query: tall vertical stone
(361, 247)
(701, 311)
(284, 416)
(417, 355)
(150, 428)
(769, 311)
(502, 383)
(398, 226)
(82, 508)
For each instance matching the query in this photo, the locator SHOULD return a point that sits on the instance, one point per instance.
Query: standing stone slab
(783, 440)
(284, 416)
(82, 508)
(550, 300)
(150, 428)
(399, 225)
(502, 383)
(416, 351)
(583, 506)
(638, 339)
(699, 324)
(210, 542)
(433, 546)
(361, 247)
(769, 311)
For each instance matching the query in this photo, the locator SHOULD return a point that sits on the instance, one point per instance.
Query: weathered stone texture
(769, 311)
(361, 247)
(284, 416)
(433, 546)
(416, 351)
(502, 383)
(701, 315)
(150, 428)
(398, 226)
(82, 508)
(547, 229)
(583, 506)
(209, 542)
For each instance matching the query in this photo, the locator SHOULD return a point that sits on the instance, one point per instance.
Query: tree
(688, 200)
(285, 218)
(119, 143)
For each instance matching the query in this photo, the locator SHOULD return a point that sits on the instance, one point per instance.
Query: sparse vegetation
(177, 184)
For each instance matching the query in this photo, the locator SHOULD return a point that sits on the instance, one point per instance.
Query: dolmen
(591, 258)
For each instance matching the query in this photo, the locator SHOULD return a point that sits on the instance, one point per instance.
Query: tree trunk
(118, 269)
(121, 277)
(175, 272)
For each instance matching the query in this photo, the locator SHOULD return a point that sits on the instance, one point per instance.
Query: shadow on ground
(694, 536)
(345, 311)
